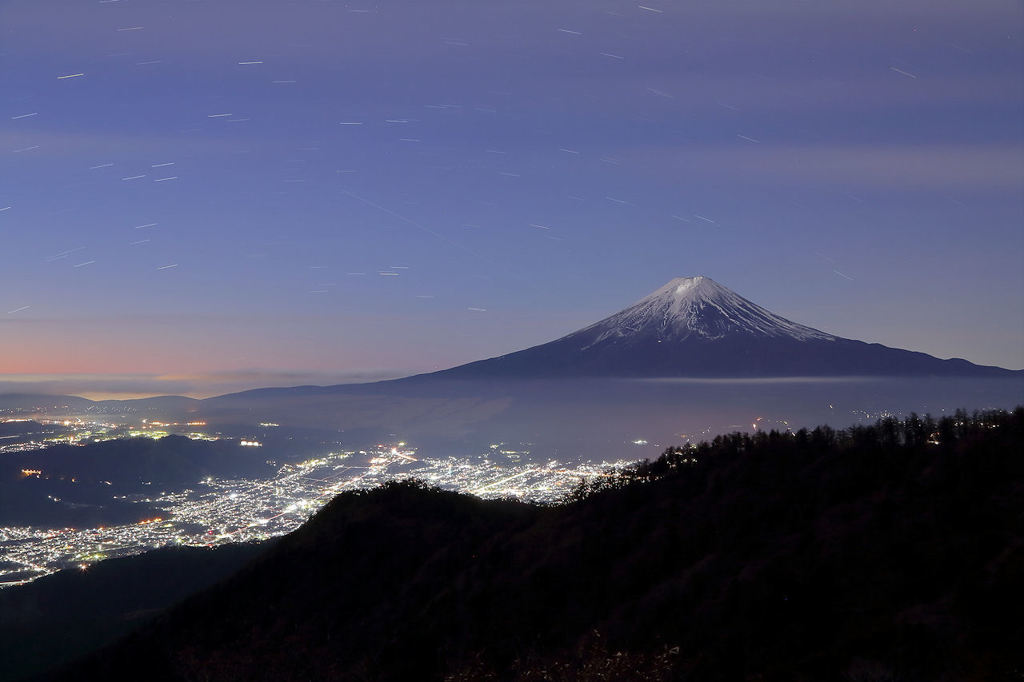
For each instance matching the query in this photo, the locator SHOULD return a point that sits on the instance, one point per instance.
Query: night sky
(201, 196)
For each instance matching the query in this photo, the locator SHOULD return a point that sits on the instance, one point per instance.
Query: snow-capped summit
(695, 327)
(695, 307)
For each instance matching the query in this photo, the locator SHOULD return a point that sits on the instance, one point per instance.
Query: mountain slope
(819, 555)
(68, 614)
(695, 327)
(693, 308)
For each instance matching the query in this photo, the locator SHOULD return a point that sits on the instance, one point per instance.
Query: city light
(216, 511)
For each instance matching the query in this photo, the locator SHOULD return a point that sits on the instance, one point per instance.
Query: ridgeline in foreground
(881, 552)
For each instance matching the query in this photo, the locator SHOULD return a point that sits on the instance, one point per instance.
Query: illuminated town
(217, 511)
(78, 431)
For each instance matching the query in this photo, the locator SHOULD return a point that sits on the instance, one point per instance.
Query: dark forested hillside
(67, 614)
(891, 552)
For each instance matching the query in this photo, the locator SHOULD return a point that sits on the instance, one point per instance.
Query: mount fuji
(568, 396)
(695, 327)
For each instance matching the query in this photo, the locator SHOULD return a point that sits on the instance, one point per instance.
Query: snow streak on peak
(686, 287)
(694, 308)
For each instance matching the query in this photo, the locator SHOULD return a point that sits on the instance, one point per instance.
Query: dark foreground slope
(65, 615)
(868, 554)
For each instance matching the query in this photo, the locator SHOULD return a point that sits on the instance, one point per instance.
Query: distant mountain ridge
(695, 327)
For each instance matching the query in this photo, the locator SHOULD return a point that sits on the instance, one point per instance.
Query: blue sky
(521, 168)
